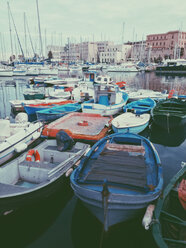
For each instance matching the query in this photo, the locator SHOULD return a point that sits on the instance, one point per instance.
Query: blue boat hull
(57, 112)
(120, 207)
(141, 106)
(136, 129)
(122, 202)
(32, 110)
(48, 117)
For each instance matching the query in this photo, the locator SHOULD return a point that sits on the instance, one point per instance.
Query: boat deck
(120, 168)
(80, 123)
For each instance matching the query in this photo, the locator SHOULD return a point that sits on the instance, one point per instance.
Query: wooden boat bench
(120, 164)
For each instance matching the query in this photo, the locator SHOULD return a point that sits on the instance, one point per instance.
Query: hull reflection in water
(28, 224)
(87, 231)
(172, 138)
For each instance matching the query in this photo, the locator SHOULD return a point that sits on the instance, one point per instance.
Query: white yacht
(6, 72)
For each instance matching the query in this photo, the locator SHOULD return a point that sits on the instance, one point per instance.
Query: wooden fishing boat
(129, 122)
(31, 94)
(18, 105)
(108, 100)
(80, 126)
(141, 106)
(54, 113)
(33, 108)
(169, 220)
(170, 113)
(15, 137)
(118, 178)
(38, 173)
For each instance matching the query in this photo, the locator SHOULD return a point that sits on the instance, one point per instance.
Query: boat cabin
(103, 80)
(175, 62)
(107, 94)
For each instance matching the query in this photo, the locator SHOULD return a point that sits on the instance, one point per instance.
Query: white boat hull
(19, 141)
(93, 108)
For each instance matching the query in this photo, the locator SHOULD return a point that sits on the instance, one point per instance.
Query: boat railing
(69, 162)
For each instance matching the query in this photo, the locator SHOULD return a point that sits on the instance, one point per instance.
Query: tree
(181, 52)
(50, 55)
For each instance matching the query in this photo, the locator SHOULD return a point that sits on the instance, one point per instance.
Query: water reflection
(22, 227)
(12, 88)
(62, 220)
(87, 231)
(161, 136)
(151, 81)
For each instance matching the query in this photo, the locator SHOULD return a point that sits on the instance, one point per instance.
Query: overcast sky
(90, 20)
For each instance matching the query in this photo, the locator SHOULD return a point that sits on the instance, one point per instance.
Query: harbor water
(62, 220)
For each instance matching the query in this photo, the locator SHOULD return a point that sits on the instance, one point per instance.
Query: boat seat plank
(120, 179)
(121, 168)
(122, 147)
(121, 160)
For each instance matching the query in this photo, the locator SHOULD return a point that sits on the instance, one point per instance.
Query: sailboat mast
(16, 31)
(29, 36)
(41, 45)
(10, 29)
(26, 51)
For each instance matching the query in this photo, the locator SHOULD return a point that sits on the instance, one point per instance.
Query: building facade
(114, 54)
(167, 45)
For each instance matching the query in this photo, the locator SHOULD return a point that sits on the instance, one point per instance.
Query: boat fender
(69, 172)
(33, 153)
(147, 219)
(20, 147)
(64, 141)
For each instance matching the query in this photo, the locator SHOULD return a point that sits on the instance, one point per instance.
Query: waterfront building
(166, 45)
(138, 51)
(92, 52)
(115, 54)
(84, 51)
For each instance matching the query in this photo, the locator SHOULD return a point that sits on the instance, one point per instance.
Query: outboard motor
(64, 141)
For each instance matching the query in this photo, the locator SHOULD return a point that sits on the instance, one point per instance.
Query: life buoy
(171, 93)
(33, 153)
